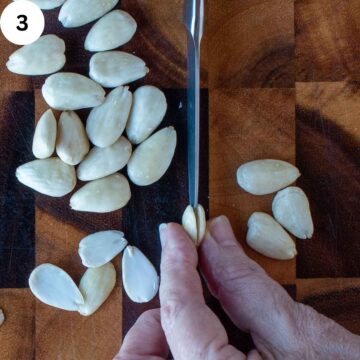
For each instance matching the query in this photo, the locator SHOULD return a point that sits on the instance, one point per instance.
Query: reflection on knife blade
(193, 19)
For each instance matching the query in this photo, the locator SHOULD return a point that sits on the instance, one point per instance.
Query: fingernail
(162, 227)
(219, 219)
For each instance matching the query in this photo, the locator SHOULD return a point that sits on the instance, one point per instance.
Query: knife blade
(194, 23)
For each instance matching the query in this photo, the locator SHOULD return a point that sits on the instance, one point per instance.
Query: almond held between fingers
(266, 176)
(44, 140)
(54, 287)
(114, 68)
(70, 91)
(101, 162)
(148, 110)
(72, 143)
(101, 247)
(47, 4)
(104, 195)
(140, 279)
(113, 30)
(189, 223)
(268, 238)
(201, 223)
(49, 176)
(106, 122)
(96, 285)
(194, 223)
(291, 209)
(76, 13)
(152, 158)
(42, 57)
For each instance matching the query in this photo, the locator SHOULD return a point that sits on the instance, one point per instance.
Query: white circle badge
(22, 22)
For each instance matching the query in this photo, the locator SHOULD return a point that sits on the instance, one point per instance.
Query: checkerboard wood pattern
(280, 79)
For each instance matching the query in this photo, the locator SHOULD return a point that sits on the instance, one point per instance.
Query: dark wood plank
(165, 200)
(327, 125)
(336, 298)
(17, 213)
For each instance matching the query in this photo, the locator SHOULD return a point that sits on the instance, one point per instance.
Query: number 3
(23, 19)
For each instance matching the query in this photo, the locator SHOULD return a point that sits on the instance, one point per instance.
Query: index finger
(192, 330)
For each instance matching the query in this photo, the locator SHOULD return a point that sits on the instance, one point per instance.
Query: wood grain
(253, 51)
(336, 298)
(327, 40)
(17, 332)
(251, 43)
(249, 124)
(327, 125)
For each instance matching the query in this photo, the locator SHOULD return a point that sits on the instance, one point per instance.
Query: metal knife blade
(194, 23)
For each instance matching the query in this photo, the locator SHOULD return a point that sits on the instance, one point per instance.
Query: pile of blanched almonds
(290, 208)
(107, 190)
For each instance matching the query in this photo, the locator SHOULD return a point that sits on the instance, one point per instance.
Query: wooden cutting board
(280, 79)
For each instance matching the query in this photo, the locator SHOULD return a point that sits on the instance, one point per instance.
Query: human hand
(280, 327)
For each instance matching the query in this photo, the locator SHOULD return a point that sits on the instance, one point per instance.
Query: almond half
(140, 279)
(267, 237)
(266, 176)
(101, 247)
(96, 285)
(2, 317)
(194, 223)
(54, 287)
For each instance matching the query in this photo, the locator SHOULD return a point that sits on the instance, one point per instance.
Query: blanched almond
(140, 279)
(70, 91)
(148, 110)
(72, 143)
(47, 4)
(152, 158)
(54, 287)
(267, 237)
(2, 317)
(262, 177)
(43, 145)
(291, 209)
(96, 285)
(194, 223)
(76, 13)
(101, 247)
(107, 121)
(189, 223)
(114, 68)
(113, 30)
(201, 223)
(42, 57)
(49, 176)
(104, 195)
(101, 162)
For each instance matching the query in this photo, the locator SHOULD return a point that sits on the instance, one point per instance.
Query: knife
(194, 23)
